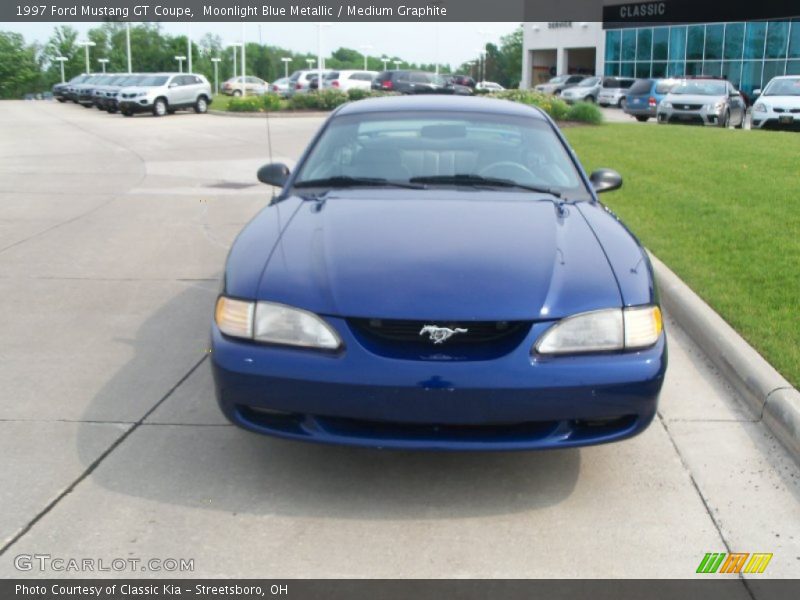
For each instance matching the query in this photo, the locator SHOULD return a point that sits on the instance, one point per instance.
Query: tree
(20, 70)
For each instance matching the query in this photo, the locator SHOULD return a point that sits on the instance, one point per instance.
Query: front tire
(589, 99)
(201, 106)
(642, 118)
(237, 93)
(159, 107)
(725, 119)
(127, 113)
(621, 104)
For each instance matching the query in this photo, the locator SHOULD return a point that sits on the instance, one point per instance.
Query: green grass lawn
(220, 102)
(722, 209)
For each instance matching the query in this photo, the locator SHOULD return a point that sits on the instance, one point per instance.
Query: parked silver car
(614, 91)
(162, 93)
(557, 84)
(587, 90)
(703, 102)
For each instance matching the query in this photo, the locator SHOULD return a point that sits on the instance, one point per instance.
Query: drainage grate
(231, 185)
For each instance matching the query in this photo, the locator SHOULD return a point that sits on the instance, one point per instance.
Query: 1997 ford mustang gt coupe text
(438, 273)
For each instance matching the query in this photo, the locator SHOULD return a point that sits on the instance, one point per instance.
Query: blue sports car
(437, 273)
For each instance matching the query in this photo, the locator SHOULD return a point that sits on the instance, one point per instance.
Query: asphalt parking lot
(113, 233)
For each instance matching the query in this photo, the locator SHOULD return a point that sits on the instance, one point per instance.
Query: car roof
(433, 102)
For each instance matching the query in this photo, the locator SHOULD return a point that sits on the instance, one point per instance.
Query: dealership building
(746, 52)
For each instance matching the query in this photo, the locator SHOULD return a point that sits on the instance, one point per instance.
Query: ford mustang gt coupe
(438, 273)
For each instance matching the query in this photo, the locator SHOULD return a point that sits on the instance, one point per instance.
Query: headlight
(760, 108)
(715, 107)
(666, 104)
(274, 323)
(603, 331)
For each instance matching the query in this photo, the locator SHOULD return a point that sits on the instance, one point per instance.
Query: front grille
(688, 106)
(477, 332)
(789, 110)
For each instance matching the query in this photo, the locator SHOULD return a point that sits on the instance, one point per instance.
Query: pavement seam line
(96, 463)
(700, 495)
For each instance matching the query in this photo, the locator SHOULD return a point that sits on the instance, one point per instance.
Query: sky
(415, 42)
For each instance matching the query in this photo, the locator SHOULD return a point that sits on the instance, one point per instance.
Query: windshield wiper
(475, 180)
(343, 181)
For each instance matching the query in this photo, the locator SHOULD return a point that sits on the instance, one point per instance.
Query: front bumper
(701, 116)
(771, 120)
(514, 402)
(134, 105)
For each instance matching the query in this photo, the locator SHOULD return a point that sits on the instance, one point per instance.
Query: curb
(766, 392)
(272, 115)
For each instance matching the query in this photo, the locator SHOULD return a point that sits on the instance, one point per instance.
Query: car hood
(693, 99)
(439, 254)
(781, 101)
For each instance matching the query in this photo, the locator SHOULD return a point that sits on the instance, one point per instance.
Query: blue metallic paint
(438, 254)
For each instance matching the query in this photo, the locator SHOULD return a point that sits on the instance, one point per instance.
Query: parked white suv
(162, 93)
(349, 80)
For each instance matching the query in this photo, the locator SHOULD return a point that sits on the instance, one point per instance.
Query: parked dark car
(464, 80)
(438, 273)
(61, 90)
(644, 96)
(418, 82)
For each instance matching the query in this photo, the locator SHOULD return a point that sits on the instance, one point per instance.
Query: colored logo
(735, 562)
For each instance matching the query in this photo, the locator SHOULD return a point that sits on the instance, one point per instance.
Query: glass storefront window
(794, 39)
(660, 43)
(714, 37)
(793, 67)
(734, 41)
(612, 45)
(676, 68)
(755, 36)
(751, 76)
(629, 44)
(644, 44)
(773, 68)
(626, 69)
(777, 39)
(612, 69)
(694, 67)
(732, 71)
(659, 69)
(677, 43)
(712, 68)
(642, 69)
(694, 42)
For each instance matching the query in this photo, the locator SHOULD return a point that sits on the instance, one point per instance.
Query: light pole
(397, 63)
(385, 61)
(234, 46)
(244, 63)
(286, 60)
(320, 60)
(216, 60)
(104, 62)
(365, 47)
(309, 62)
(180, 60)
(86, 45)
(189, 46)
(486, 33)
(62, 60)
(128, 45)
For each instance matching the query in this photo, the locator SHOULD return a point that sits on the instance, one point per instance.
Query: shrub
(585, 112)
(245, 104)
(324, 100)
(555, 107)
(271, 102)
(359, 94)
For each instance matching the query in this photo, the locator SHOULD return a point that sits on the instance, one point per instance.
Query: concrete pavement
(113, 233)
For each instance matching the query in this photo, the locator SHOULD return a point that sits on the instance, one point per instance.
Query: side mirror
(756, 92)
(605, 180)
(276, 174)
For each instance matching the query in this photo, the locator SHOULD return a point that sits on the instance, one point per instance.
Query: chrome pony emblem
(439, 335)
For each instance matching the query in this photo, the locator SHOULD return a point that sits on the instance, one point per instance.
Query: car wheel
(642, 118)
(201, 106)
(621, 103)
(725, 119)
(159, 107)
(589, 99)
(61, 100)
(127, 113)
(237, 93)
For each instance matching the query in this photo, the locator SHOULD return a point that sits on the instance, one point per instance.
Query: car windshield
(559, 79)
(783, 87)
(407, 147)
(589, 82)
(701, 88)
(153, 80)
